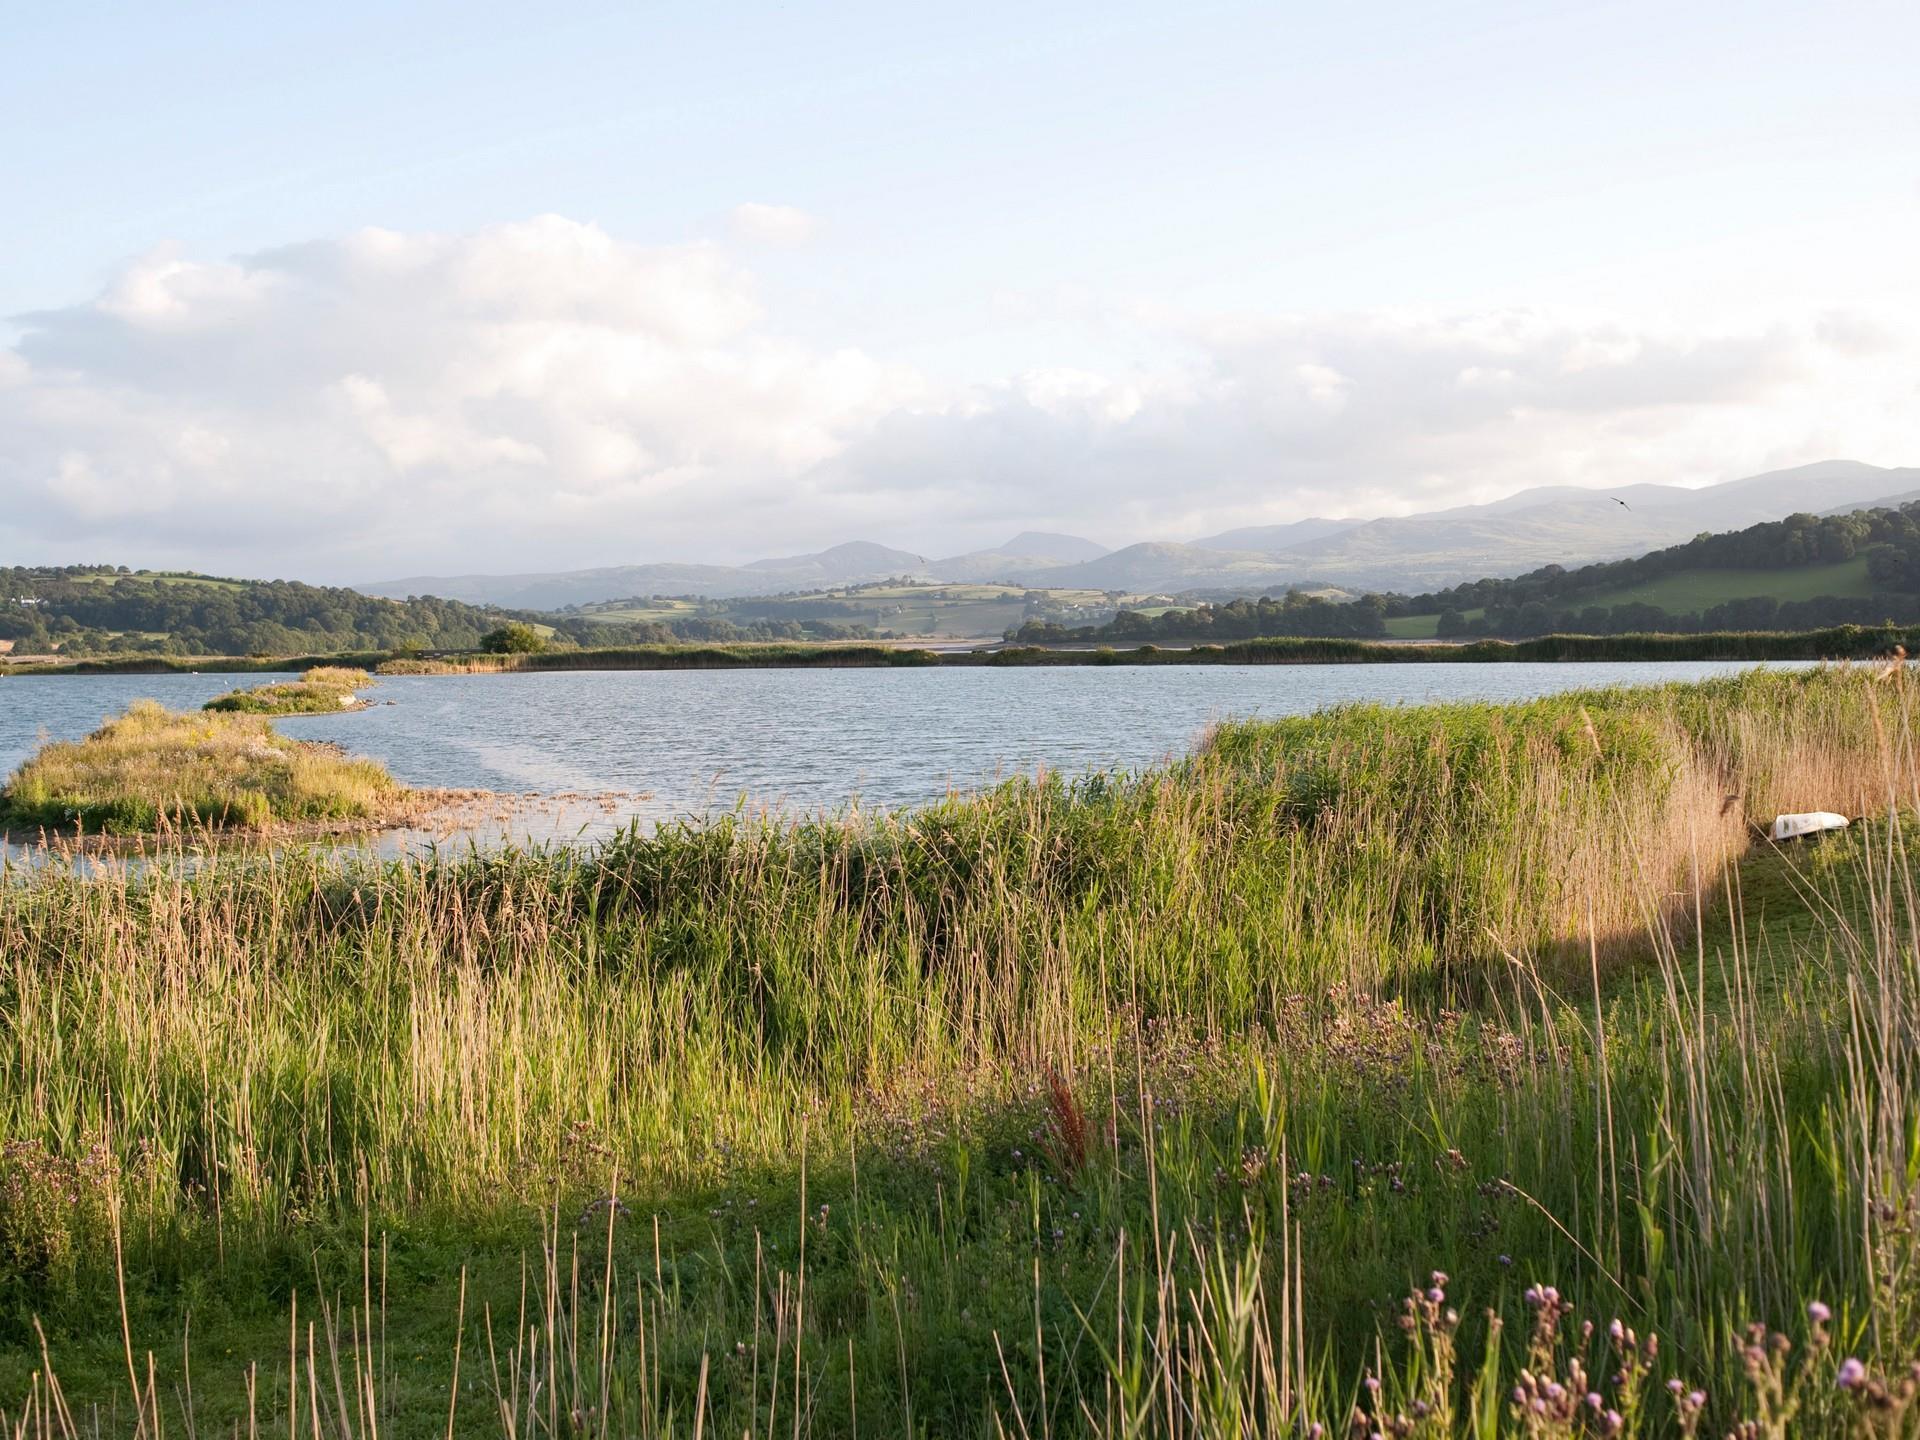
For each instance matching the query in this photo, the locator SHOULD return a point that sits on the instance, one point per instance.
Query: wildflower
(1852, 1374)
(1819, 1313)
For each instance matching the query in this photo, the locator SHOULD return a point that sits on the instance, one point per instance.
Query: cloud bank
(544, 394)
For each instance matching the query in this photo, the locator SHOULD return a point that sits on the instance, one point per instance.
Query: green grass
(322, 690)
(1413, 627)
(163, 577)
(151, 768)
(1036, 1113)
(1690, 592)
(639, 612)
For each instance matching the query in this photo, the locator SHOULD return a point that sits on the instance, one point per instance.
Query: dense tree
(516, 637)
(89, 609)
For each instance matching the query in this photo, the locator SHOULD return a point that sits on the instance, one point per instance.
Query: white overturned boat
(1810, 822)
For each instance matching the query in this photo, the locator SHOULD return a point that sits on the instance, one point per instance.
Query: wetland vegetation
(152, 768)
(1368, 1063)
(321, 690)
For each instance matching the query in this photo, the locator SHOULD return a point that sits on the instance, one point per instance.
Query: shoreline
(429, 810)
(1846, 642)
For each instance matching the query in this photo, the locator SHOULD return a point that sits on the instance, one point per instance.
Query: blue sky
(1140, 270)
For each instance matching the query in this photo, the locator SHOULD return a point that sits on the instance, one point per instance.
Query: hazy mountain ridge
(1559, 524)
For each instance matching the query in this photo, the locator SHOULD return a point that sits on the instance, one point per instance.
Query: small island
(151, 768)
(322, 690)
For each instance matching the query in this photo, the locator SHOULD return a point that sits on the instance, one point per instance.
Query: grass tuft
(150, 768)
(323, 690)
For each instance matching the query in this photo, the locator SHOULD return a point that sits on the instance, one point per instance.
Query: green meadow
(1689, 592)
(1465, 1070)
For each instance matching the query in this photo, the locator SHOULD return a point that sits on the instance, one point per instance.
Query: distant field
(929, 610)
(643, 611)
(1421, 627)
(1690, 591)
(162, 577)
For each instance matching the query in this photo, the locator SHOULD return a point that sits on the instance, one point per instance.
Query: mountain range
(1545, 525)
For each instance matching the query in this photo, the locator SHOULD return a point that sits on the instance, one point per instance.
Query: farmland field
(934, 611)
(1691, 591)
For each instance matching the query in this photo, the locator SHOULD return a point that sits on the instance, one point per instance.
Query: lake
(697, 742)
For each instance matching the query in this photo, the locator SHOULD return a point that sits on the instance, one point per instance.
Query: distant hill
(1567, 526)
(850, 564)
(1555, 524)
(1158, 565)
(1024, 554)
(90, 609)
(855, 563)
(1276, 539)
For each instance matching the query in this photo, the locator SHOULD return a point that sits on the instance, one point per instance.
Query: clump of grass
(152, 767)
(323, 690)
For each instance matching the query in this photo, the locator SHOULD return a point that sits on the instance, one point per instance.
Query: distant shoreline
(1847, 642)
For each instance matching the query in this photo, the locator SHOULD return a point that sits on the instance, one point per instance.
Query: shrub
(514, 638)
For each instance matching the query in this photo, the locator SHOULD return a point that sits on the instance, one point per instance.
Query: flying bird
(1618, 501)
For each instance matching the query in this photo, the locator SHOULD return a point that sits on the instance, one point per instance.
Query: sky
(352, 291)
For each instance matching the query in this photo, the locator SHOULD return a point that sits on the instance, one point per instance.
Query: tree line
(99, 610)
(96, 609)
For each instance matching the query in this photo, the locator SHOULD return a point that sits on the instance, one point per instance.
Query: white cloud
(773, 224)
(544, 394)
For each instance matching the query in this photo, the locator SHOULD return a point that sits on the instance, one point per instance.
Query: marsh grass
(1133, 1106)
(151, 768)
(322, 690)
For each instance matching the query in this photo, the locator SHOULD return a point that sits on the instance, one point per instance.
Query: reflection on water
(696, 742)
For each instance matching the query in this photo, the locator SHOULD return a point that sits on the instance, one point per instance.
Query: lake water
(675, 743)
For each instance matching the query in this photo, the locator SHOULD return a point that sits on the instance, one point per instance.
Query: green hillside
(1690, 591)
(1802, 573)
(80, 610)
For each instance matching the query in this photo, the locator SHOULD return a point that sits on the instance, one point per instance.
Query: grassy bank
(1845, 642)
(151, 768)
(1136, 1106)
(322, 690)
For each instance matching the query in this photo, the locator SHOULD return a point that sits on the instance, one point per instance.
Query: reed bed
(1129, 1106)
